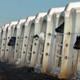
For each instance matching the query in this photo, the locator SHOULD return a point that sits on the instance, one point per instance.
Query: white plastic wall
(18, 45)
(9, 49)
(52, 23)
(71, 30)
(21, 61)
(38, 24)
(3, 44)
(1, 35)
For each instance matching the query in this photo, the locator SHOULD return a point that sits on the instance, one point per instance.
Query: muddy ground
(9, 72)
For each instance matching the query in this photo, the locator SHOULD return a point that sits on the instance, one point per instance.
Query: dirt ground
(9, 72)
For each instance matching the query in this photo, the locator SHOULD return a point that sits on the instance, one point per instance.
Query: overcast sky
(12, 10)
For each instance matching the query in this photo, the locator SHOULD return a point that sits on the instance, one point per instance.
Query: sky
(13, 10)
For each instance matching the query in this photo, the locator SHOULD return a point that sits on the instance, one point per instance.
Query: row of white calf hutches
(49, 42)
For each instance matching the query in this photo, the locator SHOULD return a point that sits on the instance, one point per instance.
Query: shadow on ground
(9, 72)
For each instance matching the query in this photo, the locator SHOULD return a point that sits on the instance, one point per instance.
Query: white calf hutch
(19, 38)
(4, 38)
(9, 51)
(1, 35)
(26, 41)
(52, 22)
(38, 25)
(31, 26)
